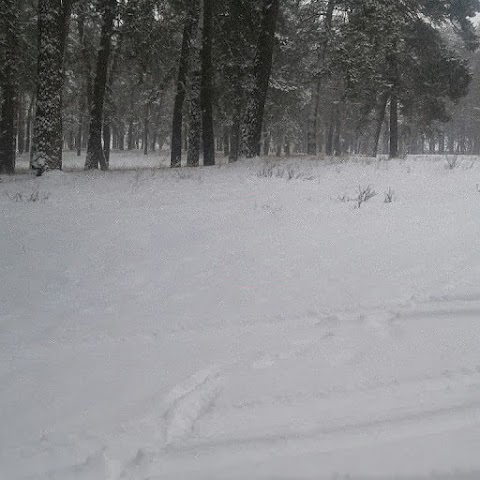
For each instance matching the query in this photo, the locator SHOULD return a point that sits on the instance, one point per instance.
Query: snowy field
(241, 322)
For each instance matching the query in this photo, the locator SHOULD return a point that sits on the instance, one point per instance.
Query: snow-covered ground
(229, 323)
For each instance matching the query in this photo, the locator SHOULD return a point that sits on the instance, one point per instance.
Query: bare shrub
(452, 162)
(364, 194)
(30, 197)
(389, 195)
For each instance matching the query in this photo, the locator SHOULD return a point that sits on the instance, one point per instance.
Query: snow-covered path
(220, 324)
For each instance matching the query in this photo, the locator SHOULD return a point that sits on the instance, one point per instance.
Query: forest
(204, 78)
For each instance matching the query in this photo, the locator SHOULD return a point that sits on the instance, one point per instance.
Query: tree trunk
(28, 133)
(8, 84)
(261, 76)
(95, 153)
(206, 90)
(393, 153)
(195, 130)
(381, 108)
(226, 141)
(189, 31)
(47, 129)
(146, 126)
(21, 124)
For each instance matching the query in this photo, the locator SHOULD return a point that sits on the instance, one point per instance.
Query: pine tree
(95, 152)
(46, 151)
(252, 131)
(8, 84)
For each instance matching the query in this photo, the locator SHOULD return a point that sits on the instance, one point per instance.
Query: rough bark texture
(188, 30)
(206, 91)
(195, 130)
(252, 132)
(381, 107)
(312, 147)
(393, 153)
(47, 130)
(8, 85)
(95, 153)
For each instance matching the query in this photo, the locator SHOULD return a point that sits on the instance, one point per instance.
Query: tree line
(244, 77)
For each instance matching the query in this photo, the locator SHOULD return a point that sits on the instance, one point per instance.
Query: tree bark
(189, 30)
(195, 126)
(206, 90)
(381, 108)
(8, 84)
(393, 152)
(47, 129)
(95, 153)
(252, 132)
(312, 146)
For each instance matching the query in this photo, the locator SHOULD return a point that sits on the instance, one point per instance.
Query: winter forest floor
(244, 321)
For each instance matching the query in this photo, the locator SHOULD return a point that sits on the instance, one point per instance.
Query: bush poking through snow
(32, 197)
(288, 172)
(364, 194)
(389, 195)
(452, 162)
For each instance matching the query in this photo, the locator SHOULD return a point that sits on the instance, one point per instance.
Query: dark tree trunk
(312, 146)
(393, 153)
(441, 143)
(206, 91)
(189, 31)
(130, 139)
(195, 124)
(381, 108)
(330, 133)
(337, 143)
(261, 76)
(21, 124)
(146, 126)
(95, 153)
(47, 130)
(313, 121)
(28, 133)
(8, 84)
(107, 140)
(226, 141)
(194, 132)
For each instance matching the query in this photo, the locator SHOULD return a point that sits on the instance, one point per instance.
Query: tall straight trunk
(146, 126)
(109, 105)
(312, 132)
(393, 152)
(235, 133)
(337, 146)
(252, 133)
(226, 141)
(47, 129)
(194, 132)
(28, 133)
(236, 75)
(95, 153)
(206, 90)
(85, 97)
(189, 30)
(21, 124)
(381, 109)
(8, 84)
(195, 124)
(313, 121)
(329, 147)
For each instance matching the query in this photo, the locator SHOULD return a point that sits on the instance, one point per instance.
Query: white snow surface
(229, 323)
